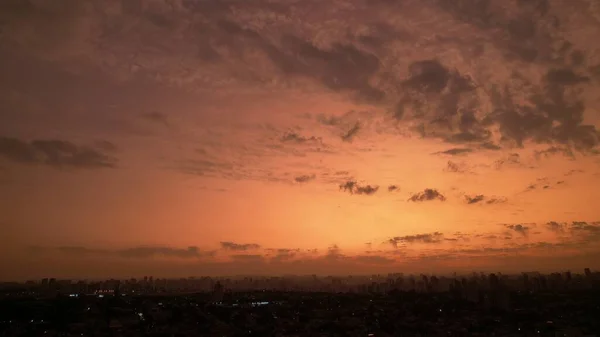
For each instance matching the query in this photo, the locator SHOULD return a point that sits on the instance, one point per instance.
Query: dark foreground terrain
(272, 313)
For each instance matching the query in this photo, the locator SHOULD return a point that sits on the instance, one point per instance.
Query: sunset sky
(225, 137)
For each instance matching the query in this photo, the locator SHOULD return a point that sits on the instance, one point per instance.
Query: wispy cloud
(228, 245)
(143, 252)
(56, 153)
(351, 133)
(455, 151)
(436, 237)
(304, 178)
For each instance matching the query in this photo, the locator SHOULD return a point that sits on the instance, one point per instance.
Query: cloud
(304, 178)
(519, 228)
(203, 167)
(144, 252)
(455, 151)
(513, 159)
(447, 107)
(157, 117)
(353, 187)
(106, 146)
(293, 137)
(373, 61)
(80, 251)
(228, 245)
(342, 67)
(147, 252)
(393, 188)
(544, 183)
(587, 232)
(555, 227)
(427, 195)
(490, 146)
(350, 134)
(456, 167)
(496, 200)
(580, 232)
(428, 75)
(554, 150)
(56, 153)
(564, 76)
(475, 199)
(436, 237)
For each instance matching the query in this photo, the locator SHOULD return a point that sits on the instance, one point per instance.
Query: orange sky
(180, 138)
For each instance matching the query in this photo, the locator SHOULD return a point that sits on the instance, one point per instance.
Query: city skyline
(187, 137)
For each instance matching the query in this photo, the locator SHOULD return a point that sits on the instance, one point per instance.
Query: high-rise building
(218, 291)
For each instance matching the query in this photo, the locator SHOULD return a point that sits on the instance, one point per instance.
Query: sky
(227, 137)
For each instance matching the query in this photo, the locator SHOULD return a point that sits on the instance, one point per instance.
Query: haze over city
(177, 137)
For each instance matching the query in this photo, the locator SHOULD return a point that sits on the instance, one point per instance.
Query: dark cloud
(334, 253)
(443, 96)
(495, 200)
(455, 167)
(367, 189)
(474, 199)
(106, 146)
(228, 245)
(576, 232)
(293, 137)
(436, 237)
(513, 159)
(56, 153)
(564, 77)
(147, 252)
(393, 188)
(554, 150)
(555, 227)
(137, 252)
(428, 76)
(328, 120)
(427, 195)
(521, 229)
(157, 117)
(304, 178)
(340, 67)
(490, 146)
(554, 114)
(481, 198)
(80, 251)
(353, 187)
(446, 101)
(582, 226)
(205, 167)
(380, 34)
(455, 151)
(350, 134)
